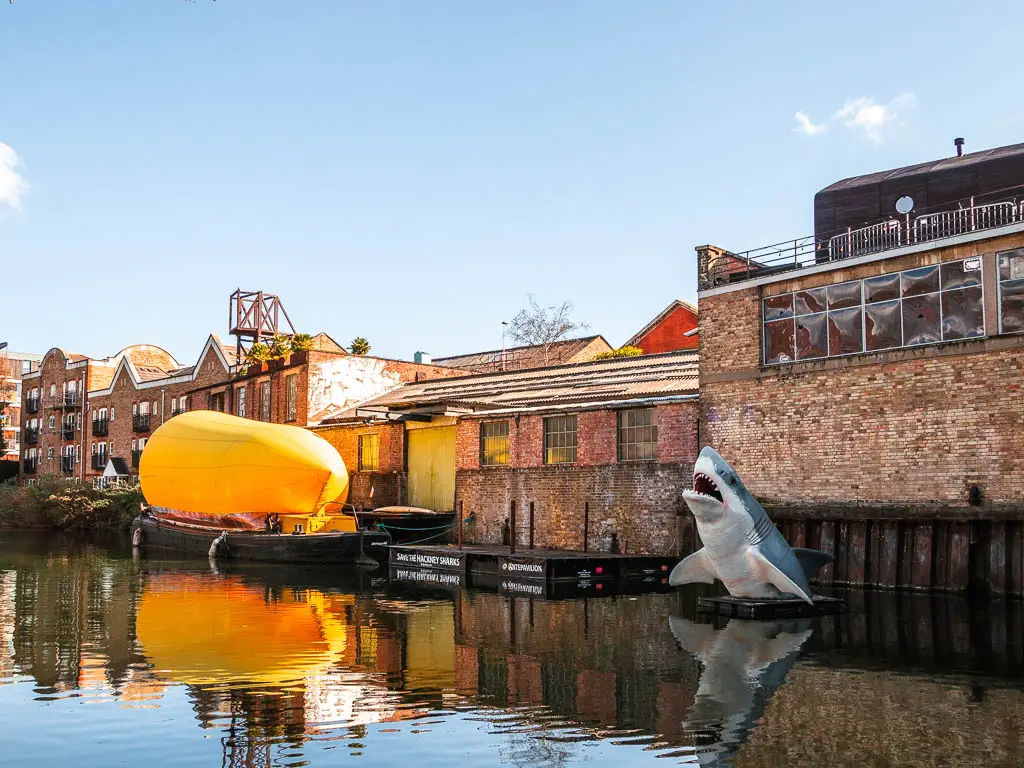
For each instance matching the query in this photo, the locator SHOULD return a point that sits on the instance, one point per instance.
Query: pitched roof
(632, 379)
(658, 318)
(522, 358)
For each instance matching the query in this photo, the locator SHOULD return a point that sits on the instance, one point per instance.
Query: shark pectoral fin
(767, 571)
(696, 567)
(812, 561)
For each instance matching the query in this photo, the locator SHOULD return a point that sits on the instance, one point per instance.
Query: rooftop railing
(716, 268)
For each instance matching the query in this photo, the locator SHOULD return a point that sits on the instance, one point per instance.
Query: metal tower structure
(255, 316)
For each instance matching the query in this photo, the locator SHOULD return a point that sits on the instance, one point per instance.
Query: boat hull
(409, 524)
(258, 546)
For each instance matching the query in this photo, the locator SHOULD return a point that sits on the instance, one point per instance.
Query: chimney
(959, 147)
(422, 357)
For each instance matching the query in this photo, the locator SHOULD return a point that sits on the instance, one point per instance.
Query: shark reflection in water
(744, 664)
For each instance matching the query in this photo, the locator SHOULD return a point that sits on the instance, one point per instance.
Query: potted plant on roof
(257, 356)
(280, 349)
(301, 344)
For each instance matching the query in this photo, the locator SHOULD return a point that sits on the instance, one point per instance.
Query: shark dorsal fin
(812, 561)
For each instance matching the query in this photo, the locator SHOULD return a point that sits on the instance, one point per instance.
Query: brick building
(536, 356)
(79, 412)
(866, 382)
(13, 366)
(148, 386)
(671, 330)
(308, 387)
(601, 450)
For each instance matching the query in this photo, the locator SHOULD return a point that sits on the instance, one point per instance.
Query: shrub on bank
(63, 506)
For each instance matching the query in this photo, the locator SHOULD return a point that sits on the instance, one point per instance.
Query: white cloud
(804, 125)
(862, 114)
(12, 183)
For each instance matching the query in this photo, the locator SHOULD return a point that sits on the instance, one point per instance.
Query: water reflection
(265, 666)
(744, 664)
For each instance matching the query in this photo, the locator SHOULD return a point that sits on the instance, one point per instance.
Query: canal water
(108, 660)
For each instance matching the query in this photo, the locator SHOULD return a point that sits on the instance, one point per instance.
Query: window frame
(291, 397)
(265, 404)
(621, 428)
(507, 438)
(865, 304)
(999, 288)
(240, 401)
(549, 433)
(361, 463)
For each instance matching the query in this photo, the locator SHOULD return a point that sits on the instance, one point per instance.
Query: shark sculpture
(744, 664)
(742, 548)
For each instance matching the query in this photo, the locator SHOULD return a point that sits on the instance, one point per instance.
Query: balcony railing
(140, 422)
(30, 465)
(67, 464)
(32, 404)
(99, 461)
(100, 427)
(65, 400)
(716, 268)
(136, 455)
(68, 431)
(31, 435)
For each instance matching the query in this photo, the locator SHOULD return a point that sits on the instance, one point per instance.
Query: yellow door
(432, 468)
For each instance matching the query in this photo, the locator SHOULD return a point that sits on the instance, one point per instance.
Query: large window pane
(918, 281)
(882, 326)
(807, 302)
(844, 295)
(1012, 306)
(638, 435)
(961, 274)
(369, 453)
(494, 443)
(560, 440)
(811, 336)
(962, 314)
(921, 320)
(779, 346)
(1011, 265)
(882, 288)
(776, 307)
(845, 332)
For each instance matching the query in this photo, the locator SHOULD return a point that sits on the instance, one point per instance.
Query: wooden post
(462, 509)
(512, 530)
(586, 526)
(531, 525)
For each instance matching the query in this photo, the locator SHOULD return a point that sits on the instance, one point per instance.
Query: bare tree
(543, 326)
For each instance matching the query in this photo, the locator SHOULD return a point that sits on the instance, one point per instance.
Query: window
(494, 443)
(264, 401)
(174, 405)
(926, 305)
(1011, 291)
(49, 453)
(560, 440)
(291, 398)
(51, 423)
(638, 435)
(240, 401)
(53, 390)
(111, 413)
(369, 453)
(183, 403)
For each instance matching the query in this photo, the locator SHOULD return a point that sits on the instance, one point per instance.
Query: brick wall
(388, 482)
(55, 372)
(914, 428)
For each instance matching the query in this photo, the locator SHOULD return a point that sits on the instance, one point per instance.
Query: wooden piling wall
(920, 554)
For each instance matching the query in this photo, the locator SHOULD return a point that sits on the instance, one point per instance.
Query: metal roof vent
(959, 144)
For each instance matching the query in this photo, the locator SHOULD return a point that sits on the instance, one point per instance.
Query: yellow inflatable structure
(211, 465)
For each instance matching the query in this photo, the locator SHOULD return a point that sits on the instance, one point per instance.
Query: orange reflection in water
(205, 629)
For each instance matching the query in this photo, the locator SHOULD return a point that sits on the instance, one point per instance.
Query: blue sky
(410, 171)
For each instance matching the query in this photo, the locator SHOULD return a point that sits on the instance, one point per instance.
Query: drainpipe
(163, 403)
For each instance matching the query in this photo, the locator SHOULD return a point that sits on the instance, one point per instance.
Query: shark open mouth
(705, 486)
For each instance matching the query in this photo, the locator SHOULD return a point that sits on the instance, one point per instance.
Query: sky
(410, 172)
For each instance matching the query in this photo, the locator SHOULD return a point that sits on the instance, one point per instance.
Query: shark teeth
(705, 486)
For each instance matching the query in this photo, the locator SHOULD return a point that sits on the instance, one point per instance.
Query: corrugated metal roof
(623, 379)
(520, 358)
